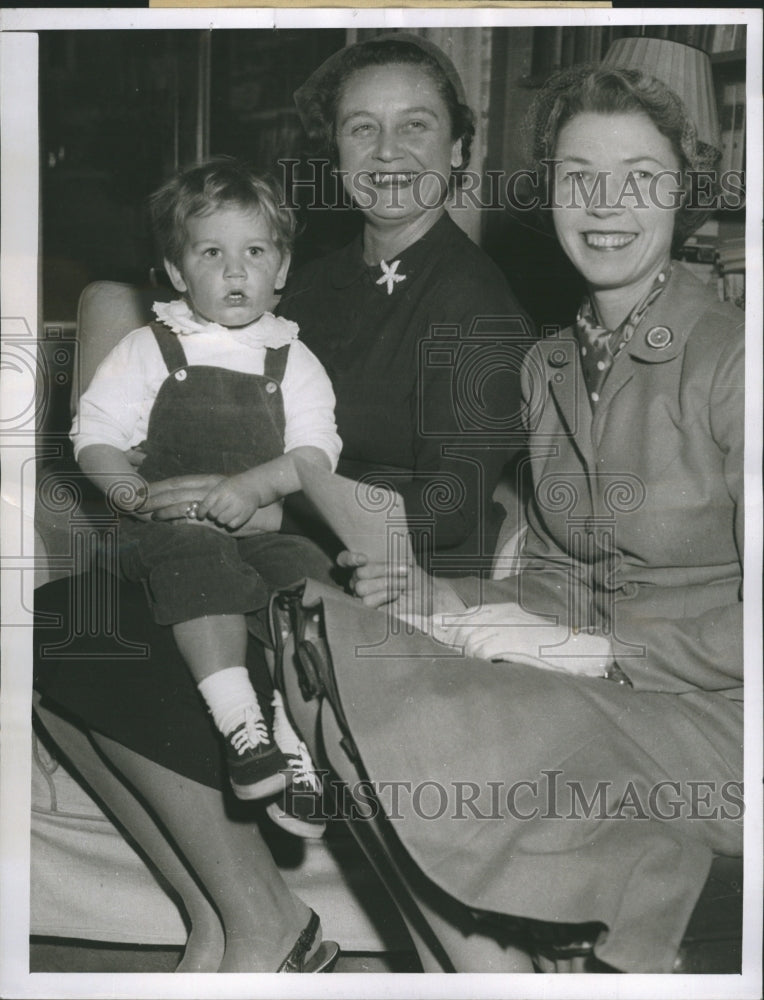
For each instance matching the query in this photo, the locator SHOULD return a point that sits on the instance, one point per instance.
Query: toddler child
(218, 388)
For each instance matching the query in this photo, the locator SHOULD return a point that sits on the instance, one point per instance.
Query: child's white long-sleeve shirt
(116, 406)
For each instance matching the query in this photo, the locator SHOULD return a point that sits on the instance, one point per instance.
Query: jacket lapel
(562, 371)
(660, 337)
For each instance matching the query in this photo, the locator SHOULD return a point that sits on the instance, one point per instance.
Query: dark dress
(426, 378)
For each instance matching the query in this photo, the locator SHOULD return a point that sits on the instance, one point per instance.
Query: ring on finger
(192, 510)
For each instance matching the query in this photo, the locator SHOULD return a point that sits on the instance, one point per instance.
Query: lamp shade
(683, 69)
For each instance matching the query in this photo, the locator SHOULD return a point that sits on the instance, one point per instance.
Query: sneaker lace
(251, 734)
(303, 768)
(293, 748)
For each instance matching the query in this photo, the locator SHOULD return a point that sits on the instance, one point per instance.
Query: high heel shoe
(322, 959)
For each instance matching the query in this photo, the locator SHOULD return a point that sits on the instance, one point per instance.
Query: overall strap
(276, 362)
(169, 344)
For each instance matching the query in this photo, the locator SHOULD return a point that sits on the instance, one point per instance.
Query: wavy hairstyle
(617, 91)
(318, 99)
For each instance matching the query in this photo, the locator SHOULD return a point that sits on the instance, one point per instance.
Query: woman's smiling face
(394, 137)
(623, 238)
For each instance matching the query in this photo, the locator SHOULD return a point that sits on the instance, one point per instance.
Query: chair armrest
(66, 501)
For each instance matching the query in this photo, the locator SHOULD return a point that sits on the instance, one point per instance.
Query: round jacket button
(659, 337)
(558, 358)
(271, 387)
(181, 375)
(630, 589)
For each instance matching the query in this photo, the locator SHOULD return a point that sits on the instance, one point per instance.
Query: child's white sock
(286, 738)
(228, 693)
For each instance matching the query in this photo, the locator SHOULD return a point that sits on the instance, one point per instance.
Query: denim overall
(210, 420)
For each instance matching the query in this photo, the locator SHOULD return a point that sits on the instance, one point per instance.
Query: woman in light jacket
(598, 711)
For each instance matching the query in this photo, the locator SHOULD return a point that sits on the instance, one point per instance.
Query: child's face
(230, 266)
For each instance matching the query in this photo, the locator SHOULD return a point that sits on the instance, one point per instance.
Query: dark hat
(305, 97)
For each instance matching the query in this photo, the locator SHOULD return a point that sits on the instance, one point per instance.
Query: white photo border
(20, 319)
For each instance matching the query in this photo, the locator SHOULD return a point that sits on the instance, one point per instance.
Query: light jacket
(636, 524)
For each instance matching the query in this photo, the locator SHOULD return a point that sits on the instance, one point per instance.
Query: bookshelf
(716, 251)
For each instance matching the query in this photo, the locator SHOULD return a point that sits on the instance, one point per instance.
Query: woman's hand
(508, 632)
(375, 583)
(170, 499)
(406, 589)
(230, 501)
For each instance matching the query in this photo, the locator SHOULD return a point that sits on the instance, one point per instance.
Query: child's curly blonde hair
(210, 185)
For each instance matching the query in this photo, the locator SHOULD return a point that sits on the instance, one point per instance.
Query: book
(701, 246)
(730, 255)
(733, 288)
(737, 158)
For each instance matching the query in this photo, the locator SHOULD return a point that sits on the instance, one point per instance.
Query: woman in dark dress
(415, 325)
(371, 329)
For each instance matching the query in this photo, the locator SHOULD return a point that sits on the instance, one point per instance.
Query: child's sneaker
(299, 808)
(256, 766)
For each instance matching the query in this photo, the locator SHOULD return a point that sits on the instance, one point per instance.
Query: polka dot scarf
(600, 347)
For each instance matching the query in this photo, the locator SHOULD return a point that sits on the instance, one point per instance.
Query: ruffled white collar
(267, 331)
